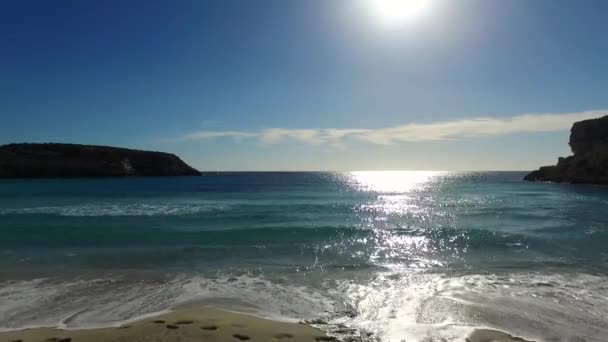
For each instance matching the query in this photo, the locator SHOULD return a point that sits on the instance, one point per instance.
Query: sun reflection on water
(405, 230)
(391, 181)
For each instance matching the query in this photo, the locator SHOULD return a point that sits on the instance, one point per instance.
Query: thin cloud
(205, 135)
(274, 135)
(414, 132)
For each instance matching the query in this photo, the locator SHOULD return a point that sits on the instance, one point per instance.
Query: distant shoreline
(54, 160)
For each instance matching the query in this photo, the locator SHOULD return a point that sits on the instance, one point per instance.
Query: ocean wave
(353, 247)
(79, 303)
(417, 306)
(135, 209)
(72, 304)
(410, 305)
(274, 299)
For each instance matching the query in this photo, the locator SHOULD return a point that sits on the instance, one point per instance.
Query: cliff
(589, 162)
(70, 160)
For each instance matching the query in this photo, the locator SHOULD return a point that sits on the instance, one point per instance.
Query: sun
(397, 12)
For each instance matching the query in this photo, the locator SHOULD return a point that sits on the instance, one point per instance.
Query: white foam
(405, 305)
(79, 303)
(258, 296)
(423, 307)
(110, 302)
(389, 306)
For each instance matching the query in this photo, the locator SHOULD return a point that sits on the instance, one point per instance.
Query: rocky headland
(71, 160)
(589, 162)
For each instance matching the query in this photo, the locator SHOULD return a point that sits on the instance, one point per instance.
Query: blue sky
(306, 85)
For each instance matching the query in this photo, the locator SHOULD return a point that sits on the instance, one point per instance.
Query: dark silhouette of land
(589, 162)
(71, 160)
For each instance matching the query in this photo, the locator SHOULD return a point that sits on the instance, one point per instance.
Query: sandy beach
(200, 324)
(206, 324)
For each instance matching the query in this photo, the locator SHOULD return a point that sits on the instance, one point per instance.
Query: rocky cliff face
(589, 164)
(69, 160)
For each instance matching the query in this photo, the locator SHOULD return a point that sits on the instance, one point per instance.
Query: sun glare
(397, 12)
(391, 181)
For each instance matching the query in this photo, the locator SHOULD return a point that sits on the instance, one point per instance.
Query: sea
(397, 255)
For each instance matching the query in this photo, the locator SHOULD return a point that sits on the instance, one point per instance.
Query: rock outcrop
(70, 160)
(588, 164)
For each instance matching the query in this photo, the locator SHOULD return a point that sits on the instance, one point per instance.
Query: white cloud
(413, 132)
(273, 135)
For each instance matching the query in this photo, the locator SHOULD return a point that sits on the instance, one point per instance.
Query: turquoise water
(404, 255)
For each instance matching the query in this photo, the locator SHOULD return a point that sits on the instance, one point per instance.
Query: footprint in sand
(282, 336)
(241, 337)
(17, 341)
(326, 339)
(172, 327)
(209, 327)
(158, 321)
(183, 322)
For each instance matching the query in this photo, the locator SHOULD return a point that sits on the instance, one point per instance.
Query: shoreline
(205, 323)
(187, 324)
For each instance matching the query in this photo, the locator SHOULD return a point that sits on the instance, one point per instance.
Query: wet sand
(204, 324)
(201, 324)
(487, 335)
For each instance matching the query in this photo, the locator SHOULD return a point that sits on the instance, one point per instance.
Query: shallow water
(404, 255)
